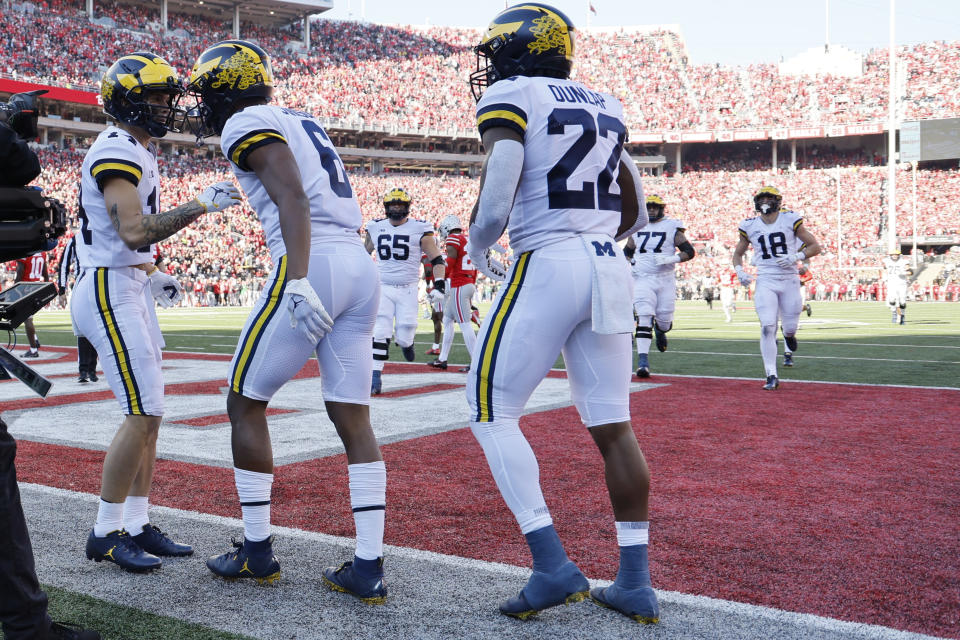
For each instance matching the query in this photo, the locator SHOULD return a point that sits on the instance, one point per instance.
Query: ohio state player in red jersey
(32, 269)
(463, 276)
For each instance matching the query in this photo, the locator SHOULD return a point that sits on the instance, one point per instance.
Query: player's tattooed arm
(158, 227)
(137, 230)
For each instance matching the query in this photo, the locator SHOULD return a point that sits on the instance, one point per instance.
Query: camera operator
(23, 608)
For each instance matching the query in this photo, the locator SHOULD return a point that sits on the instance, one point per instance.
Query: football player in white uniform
(557, 175)
(113, 300)
(399, 240)
(321, 298)
(897, 273)
(654, 251)
(779, 241)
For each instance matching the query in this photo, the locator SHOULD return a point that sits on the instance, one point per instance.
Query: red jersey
(806, 276)
(34, 267)
(460, 270)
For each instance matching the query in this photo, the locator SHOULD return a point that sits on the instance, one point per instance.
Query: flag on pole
(591, 8)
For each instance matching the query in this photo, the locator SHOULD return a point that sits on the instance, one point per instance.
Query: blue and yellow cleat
(350, 579)
(791, 343)
(154, 541)
(771, 384)
(408, 353)
(376, 386)
(787, 359)
(247, 560)
(638, 604)
(660, 337)
(643, 366)
(118, 547)
(566, 585)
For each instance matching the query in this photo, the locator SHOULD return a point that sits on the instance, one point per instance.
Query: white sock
(109, 518)
(446, 339)
(135, 516)
(436, 345)
(368, 499)
(253, 489)
(631, 533)
(768, 349)
(469, 337)
(515, 470)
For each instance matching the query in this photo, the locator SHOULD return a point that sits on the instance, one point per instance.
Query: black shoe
(154, 541)
(463, 370)
(93, 376)
(70, 631)
(438, 364)
(408, 353)
(808, 309)
(791, 342)
(83, 377)
(772, 383)
(119, 547)
(248, 560)
(661, 337)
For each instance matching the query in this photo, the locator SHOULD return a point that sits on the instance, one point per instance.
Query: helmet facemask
(655, 212)
(486, 73)
(397, 211)
(766, 204)
(157, 119)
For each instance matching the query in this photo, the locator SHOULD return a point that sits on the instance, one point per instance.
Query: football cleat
(377, 386)
(433, 352)
(643, 366)
(438, 364)
(771, 384)
(808, 309)
(637, 604)
(566, 585)
(118, 547)
(84, 378)
(247, 560)
(31, 353)
(92, 376)
(463, 370)
(787, 359)
(791, 342)
(347, 579)
(154, 541)
(661, 337)
(408, 353)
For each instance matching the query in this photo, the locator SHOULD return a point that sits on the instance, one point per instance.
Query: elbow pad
(504, 166)
(687, 248)
(642, 218)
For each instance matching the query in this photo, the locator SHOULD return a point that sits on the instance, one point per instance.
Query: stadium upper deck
(407, 78)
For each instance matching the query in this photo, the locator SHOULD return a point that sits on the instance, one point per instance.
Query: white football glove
(436, 299)
(661, 260)
(306, 310)
(486, 264)
(790, 259)
(218, 197)
(166, 290)
(745, 278)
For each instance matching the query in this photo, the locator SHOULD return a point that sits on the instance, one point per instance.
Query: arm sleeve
(499, 189)
(18, 162)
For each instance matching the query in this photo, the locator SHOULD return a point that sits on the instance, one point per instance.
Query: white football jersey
(398, 249)
(773, 241)
(896, 270)
(114, 154)
(655, 239)
(572, 139)
(334, 211)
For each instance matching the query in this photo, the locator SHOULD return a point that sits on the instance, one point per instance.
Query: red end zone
(829, 499)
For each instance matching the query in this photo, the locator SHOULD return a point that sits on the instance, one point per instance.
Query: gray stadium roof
(260, 11)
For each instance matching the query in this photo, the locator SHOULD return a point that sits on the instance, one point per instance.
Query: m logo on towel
(605, 248)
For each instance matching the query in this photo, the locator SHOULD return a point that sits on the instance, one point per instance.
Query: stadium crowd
(414, 77)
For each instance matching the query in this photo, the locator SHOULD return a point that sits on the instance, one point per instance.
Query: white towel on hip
(612, 285)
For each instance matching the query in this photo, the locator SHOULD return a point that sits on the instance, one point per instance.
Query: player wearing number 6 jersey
(779, 241)
(556, 174)
(654, 251)
(321, 298)
(398, 241)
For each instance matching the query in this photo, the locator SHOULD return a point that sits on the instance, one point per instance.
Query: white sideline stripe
(674, 597)
(842, 344)
(723, 353)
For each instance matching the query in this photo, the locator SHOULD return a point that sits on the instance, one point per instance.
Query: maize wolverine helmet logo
(223, 75)
(529, 39)
(550, 35)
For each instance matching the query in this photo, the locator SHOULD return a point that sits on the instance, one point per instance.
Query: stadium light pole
(892, 243)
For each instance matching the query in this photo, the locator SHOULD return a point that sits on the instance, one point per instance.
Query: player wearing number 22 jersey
(779, 241)
(557, 176)
(320, 299)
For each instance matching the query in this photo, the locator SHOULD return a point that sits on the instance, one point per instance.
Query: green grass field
(841, 342)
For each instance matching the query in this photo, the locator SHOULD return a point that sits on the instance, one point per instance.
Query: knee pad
(381, 349)
(644, 332)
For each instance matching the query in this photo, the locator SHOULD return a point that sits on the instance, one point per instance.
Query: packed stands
(415, 78)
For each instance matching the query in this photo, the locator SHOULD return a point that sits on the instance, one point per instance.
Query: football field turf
(820, 510)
